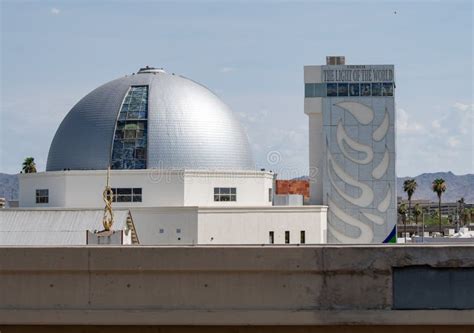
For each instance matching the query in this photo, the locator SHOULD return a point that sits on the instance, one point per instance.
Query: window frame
(356, 87)
(343, 89)
(131, 128)
(331, 89)
(42, 198)
(303, 237)
(135, 194)
(225, 194)
(364, 85)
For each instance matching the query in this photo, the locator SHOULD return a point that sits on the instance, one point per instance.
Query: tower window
(376, 89)
(270, 195)
(353, 89)
(365, 89)
(331, 89)
(271, 237)
(42, 196)
(287, 237)
(387, 89)
(342, 89)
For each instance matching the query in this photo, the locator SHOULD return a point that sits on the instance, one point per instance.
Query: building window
(353, 89)
(315, 90)
(162, 231)
(225, 194)
(178, 231)
(365, 89)
(349, 89)
(302, 237)
(270, 195)
(387, 89)
(331, 89)
(130, 140)
(309, 90)
(342, 89)
(127, 194)
(271, 237)
(42, 196)
(376, 89)
(287, 237)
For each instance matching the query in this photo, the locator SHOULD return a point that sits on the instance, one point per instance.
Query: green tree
(462, 215)
(409, 186)
(439, 187)
(417, 211)
(402, 212)
(29, 165)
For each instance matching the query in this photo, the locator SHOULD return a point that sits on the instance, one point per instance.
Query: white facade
(178, 207)
(159, 188)
(351, 111)
(239, 225)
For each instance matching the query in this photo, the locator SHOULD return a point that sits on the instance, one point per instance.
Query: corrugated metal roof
(53, 227)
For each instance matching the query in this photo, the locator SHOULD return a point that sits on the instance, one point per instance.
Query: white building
(147, 188)
(351, 112)
(180, 161)
(226, 225)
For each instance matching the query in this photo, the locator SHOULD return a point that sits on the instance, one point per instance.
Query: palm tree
(29, 165)
(409, 186)
(439, 187)
(417, 211)
(466, 217)
(402, 211)
(460, 209)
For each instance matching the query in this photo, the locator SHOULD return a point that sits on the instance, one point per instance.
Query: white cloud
(253, 117)
(436, 124)
(453, 142)
(406, 123)
(227, 69)
(446, 137)
(463, 107)
(55, 11)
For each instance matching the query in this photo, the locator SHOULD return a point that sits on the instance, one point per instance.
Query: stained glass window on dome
(130, 140)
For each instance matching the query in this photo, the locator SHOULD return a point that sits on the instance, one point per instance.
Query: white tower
(351, 112)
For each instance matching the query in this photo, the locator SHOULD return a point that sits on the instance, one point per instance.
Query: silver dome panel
(188, 128)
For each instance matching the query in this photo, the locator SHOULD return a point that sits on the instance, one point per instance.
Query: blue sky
(251, 54)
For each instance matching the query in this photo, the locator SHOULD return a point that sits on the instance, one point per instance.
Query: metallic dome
(188, 127)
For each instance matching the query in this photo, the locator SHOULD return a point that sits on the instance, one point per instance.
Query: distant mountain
(8, 186)
(457, 186)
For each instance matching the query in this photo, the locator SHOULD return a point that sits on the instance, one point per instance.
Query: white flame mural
(360, 173)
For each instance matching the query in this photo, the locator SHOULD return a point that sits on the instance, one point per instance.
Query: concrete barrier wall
(261, 285)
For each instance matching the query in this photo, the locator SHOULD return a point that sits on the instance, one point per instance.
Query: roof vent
(148, 69)
(335, 60)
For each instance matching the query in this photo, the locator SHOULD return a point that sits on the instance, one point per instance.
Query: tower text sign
(357, 74)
